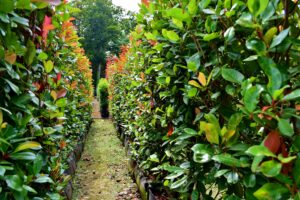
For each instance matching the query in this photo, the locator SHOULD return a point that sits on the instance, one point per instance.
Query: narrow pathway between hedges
(102, 172)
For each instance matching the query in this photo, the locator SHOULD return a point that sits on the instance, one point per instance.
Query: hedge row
(210, 97)
(45, 97)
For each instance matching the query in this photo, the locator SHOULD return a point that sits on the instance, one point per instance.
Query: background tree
(104, 28)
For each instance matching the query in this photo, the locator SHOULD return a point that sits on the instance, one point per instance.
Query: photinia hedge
(45, 97)
(210, 98)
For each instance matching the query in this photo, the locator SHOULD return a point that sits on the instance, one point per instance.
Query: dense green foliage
(45, 97)
(103, 97)
(210, 98)
(103, 28)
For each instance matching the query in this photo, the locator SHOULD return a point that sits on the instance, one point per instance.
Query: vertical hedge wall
(45, 97)
(210, 98)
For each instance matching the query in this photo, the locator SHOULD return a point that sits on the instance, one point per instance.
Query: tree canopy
(103, 27)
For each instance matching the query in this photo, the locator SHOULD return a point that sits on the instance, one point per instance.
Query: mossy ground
(102, 172)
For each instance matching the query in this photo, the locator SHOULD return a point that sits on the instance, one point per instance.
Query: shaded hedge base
(72, 160)
(143, 183)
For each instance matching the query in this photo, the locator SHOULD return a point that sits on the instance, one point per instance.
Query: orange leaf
(297, 107)
(47, 26)
(170, 131)
(146, 2)
(62, 144)
(10, 57)
(197, 111)
(202, 79)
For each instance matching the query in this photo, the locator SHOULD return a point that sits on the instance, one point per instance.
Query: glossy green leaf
(246, 21)
(14, 182)
(285, 127)
(270, 168)
(270, 10)
(249, 181)
(232, 177)
(174, 175)
(179, 183)
(193, 62)
(229, 160)
(48, 66)
(14, 87)
(229, 34)
(271, 191)
(270, 69)
(202, 153)
(220, 173)
(204, 4)
(232, 75)
(43, 179)
(177, 23)
(192, 7)
(42, 56)
(179, 14)
(279, 38)
(256, 45)
(23, 156)
(37, 164)
(286, 159)
(2, 170)
(234, 121)
(259, 150)
(211, 36)
(192, 92)
(292, 96)
(257, 6)
(251, 97)
(28, 145)
(49, 130)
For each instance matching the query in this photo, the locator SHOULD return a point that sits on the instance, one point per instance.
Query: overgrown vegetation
(103, 97)
(46, 93)
(210, 97)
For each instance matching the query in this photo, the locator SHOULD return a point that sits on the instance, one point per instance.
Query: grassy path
(102, 172)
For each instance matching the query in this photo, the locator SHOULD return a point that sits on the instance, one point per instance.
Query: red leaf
(47, 26)
(58, 76)
(170, 131)
(273, 141)
(61, 93)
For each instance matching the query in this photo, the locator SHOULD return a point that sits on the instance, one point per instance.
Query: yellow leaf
(270, 34)
(202, 79)
(28, 145)
(10, 57)
(53, 95)
(3, 125)
(229, 134)
(211, 132)
(195, 83)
